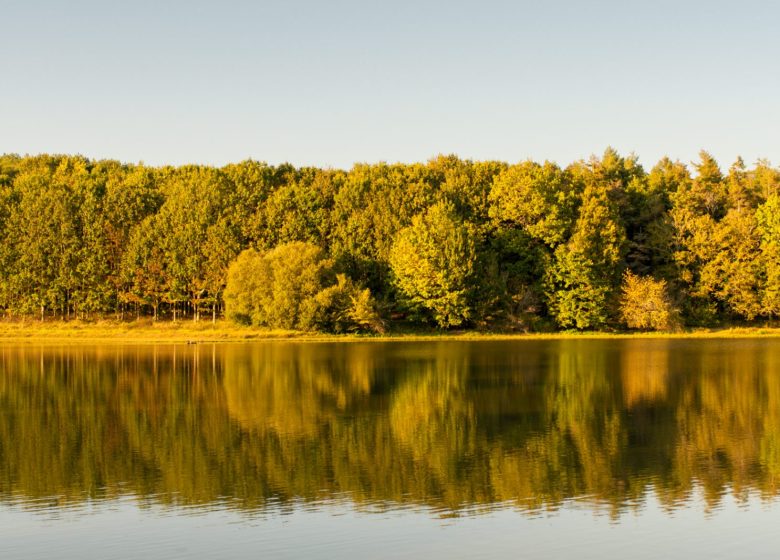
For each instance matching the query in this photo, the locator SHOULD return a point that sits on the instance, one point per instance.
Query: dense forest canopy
(448, 243)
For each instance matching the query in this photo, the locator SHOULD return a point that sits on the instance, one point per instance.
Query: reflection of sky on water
(120, 529)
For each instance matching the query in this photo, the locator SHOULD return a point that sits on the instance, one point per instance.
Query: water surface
(554, 449)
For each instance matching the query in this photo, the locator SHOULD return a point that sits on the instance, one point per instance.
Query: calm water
(522, 449)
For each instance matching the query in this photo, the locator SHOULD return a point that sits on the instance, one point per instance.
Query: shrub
(288, 288)
(645, 304)
(273, 289)
(344, 307)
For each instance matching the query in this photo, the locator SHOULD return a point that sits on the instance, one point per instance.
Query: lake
(571, 448)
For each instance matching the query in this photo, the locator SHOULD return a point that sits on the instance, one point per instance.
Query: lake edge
(205, 332)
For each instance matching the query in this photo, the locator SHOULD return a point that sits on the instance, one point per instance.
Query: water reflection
(452, 426)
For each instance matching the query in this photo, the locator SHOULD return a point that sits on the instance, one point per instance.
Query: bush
(288, 288)
(272, 289)
(645, 304)
(345, 307)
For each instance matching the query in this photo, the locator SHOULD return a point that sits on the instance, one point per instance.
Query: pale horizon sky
(338, 82)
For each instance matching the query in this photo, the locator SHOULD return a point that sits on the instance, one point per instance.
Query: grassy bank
(150, 332)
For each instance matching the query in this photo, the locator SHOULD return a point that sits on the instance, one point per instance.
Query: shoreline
(187, 332)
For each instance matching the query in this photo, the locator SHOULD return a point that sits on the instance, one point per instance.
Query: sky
(331, 83)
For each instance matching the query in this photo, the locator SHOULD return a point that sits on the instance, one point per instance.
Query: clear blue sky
(334, 82)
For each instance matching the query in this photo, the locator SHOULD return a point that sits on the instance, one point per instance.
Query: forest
(450, 243)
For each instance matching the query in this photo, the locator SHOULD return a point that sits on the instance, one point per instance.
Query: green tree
(768, 218)
(8, 171)
(765, 180)
(131, 197)
(251, 184)
(195, 200)
(144, 272)
(740, 190)
(653, 239)
(433, 263)
(734, 274)
(277, 289)
(577, 297)
(585, 271)
(519, 262)
(371, 207)
(466, 184)
(538, 242)
(706, 194)
(539, 199)
(220, 248)
(301, 210)
(42, 244)
(696, 210)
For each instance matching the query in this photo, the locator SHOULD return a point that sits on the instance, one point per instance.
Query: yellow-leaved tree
(645, 304)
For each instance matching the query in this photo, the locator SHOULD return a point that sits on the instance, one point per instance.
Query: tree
(42, 243)
(734, 274)
(466, 184)
(584, 272)
(195, 199)
(290, 287)
(433, 262)
(765, 180)
(277, 289)
(768, 218)
(739, 189)
(645, 304)
(540, 199)
(144, 271)
(301, 210)
(374, 203)
(706, 194)
(697, 207)
(519, 261)
(652, 241)
(577, 297)
(131, 197)
(220, 248)
(8, 171)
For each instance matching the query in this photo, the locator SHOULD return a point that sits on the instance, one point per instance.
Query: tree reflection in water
(447, 425)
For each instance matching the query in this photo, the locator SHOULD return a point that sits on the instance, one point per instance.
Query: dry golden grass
(141, 331)
(146, 331)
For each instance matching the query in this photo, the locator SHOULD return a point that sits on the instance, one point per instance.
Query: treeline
(449, 242)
